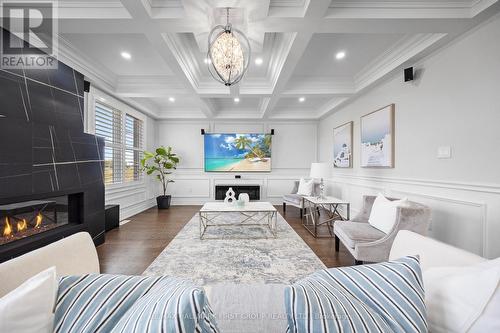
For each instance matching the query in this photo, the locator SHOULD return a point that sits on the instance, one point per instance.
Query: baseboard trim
(136, 208)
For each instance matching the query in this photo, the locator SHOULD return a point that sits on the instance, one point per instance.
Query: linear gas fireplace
(28, 218)
(253, 191)
(51, 176)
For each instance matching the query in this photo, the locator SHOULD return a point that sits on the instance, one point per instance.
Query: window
(123, 144)
(133, 148)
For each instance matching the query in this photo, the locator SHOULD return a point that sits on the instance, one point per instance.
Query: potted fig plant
(161, 163)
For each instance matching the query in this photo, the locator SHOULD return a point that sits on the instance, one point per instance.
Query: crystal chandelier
(229, 53)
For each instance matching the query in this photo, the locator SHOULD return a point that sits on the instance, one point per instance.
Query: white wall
(294, 147)
(132, 197)
(455, 102)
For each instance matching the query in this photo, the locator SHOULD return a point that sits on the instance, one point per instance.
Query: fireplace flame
(39, 219)
(7, 230)
(22, 225)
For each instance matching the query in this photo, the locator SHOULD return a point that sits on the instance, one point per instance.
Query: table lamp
(321, 171)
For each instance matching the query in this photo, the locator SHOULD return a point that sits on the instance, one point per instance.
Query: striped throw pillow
(385, 297)
(119, 303)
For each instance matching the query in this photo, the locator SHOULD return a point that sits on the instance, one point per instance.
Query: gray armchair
(295, 199)
(367, 243)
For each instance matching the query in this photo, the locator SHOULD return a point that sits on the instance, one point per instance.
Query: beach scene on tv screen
(238, 152)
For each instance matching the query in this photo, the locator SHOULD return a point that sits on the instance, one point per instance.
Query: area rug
(236, 254)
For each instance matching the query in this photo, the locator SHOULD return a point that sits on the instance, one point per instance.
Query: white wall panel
(190, 188)
(294, 145)
(276, 187)
(290, 161)
(186, 139)
(238, 127)
(453, 102)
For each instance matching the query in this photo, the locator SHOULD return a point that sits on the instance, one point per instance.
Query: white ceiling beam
(270, 24)
(432, 24)
(298, 45)
(139, 12)
(398, 54)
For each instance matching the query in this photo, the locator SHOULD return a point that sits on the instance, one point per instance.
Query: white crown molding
(291, 30)
(239, 115)
(280, 56)
(287, 3)
(185, 58)
(401, 4)
(407, 9)
(96, 73)
(148, 86)
(331, 105)
(92, 10)
(304, 85)
(479, 6)
(394, 57)
(180, 113)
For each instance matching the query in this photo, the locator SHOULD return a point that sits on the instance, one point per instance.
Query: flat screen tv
(232, 152)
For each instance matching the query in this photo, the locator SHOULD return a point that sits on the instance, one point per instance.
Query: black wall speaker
(202, 131)
(272, 131)
(408, 74)
(86, 86)
(237, 176)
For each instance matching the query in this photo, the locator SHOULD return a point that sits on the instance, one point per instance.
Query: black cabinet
(112, 217)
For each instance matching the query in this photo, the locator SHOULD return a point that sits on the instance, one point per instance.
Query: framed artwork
(377, 138)
(342, 146)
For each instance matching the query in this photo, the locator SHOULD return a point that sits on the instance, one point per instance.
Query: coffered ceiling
(297, 41)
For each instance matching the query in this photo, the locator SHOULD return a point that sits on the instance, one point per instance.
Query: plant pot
(163, 201)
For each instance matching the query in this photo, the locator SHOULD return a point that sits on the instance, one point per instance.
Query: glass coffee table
(329, 206)
(215, 214)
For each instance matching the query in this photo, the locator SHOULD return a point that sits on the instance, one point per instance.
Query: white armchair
(295, 199)
(367, 243)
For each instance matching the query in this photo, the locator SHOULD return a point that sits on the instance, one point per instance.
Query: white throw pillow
(383, 213)
(463, 299)
(305, 187)
(30, 307)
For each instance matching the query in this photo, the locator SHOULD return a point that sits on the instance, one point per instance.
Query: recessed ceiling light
(207, 60)
(236, 99)
(126, 55)
(259, 61)
(302, 99)
(171, 99)
(340, 55)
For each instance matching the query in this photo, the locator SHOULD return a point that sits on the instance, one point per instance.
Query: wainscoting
(465, 215)
(195, 189)
(133, 198)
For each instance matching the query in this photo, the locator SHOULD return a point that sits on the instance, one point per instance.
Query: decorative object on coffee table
(230, 199)
(161, 163)
(244, 197)
(321, 171)
(253, 214)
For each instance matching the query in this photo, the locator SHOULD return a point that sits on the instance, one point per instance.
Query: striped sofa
(132, 304)
(259, 308)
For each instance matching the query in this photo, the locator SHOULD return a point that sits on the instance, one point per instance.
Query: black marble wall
(43, 149)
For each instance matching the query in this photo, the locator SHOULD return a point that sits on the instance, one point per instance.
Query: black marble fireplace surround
(44, 152)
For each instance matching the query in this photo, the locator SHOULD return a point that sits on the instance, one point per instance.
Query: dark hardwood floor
(131, 248)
